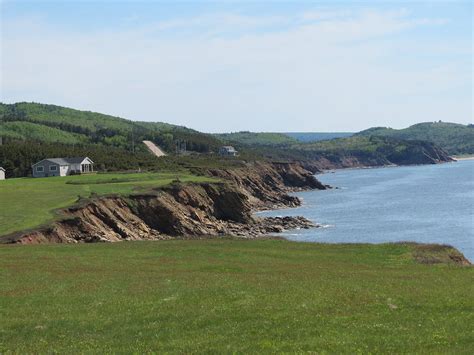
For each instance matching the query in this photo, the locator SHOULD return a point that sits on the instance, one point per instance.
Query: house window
(39, 169)
(53, 168)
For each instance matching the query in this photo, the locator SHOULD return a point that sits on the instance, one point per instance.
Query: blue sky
(259, 66)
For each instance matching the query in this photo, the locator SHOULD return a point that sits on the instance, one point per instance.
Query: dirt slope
(154, 149)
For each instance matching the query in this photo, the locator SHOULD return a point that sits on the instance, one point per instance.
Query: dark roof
(2, 168)
(64, 161)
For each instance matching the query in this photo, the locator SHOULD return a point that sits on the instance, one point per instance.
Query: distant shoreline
(463, 157)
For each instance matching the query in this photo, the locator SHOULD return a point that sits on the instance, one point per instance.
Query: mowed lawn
(27, 202)
(232, 296)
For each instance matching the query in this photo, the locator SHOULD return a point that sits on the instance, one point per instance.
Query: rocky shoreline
(187, 210)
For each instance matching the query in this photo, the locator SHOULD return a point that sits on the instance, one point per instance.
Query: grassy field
(233, 296)
(28, 202)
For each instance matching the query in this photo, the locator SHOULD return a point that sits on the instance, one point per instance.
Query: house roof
(2, 169)
(64, 161)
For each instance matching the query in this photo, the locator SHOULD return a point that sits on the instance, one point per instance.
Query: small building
(2, 173)
(63, 167)
(227, 150)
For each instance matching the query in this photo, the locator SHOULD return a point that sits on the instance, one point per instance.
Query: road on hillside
(154, 149)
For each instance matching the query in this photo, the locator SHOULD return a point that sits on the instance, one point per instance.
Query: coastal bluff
(185, 210)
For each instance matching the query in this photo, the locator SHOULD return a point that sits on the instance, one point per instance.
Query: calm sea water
(427, 204)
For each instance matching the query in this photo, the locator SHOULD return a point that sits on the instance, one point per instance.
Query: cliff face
(266, 185)
(384, 151)
(423, 153)
(186, 210)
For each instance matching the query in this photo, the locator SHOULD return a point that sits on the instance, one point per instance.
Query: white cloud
(227, 72)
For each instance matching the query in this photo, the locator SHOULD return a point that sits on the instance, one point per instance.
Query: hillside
(37, 132)
(452, 137)
(357, 151)
(31, 132)
(330, 150)
(256, 138)
(56, 124)
(309, 137)
(277, 139)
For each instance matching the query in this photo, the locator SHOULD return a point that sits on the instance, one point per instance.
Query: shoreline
(319, 223)
(388, 166)
(461, 158)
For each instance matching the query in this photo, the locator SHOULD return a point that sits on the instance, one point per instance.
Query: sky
(229, 66)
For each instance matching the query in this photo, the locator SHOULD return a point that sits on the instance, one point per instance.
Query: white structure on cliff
(63, 167)
(227, 150)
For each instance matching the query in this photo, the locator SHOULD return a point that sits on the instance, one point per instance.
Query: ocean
(425, 204)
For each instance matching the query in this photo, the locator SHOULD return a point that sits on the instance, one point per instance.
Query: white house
(2, 173)
(227, 150)
(62, 167)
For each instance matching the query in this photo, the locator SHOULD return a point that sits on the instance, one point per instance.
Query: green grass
(223, 296)
(28, 202)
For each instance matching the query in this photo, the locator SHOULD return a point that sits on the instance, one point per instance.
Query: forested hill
(345, 151)
(56, 124)
(31, 132)
(246, 138)
(309, 137)
(277, 139)
(453, 137)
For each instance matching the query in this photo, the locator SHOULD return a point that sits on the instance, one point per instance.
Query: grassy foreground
(28, 202)
(232, 296)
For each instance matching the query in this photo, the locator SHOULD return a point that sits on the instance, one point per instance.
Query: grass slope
(454, 138)
(223, 296)
(28, 202)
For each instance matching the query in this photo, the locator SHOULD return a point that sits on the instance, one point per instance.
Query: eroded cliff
(266, 184)
(185, 210)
